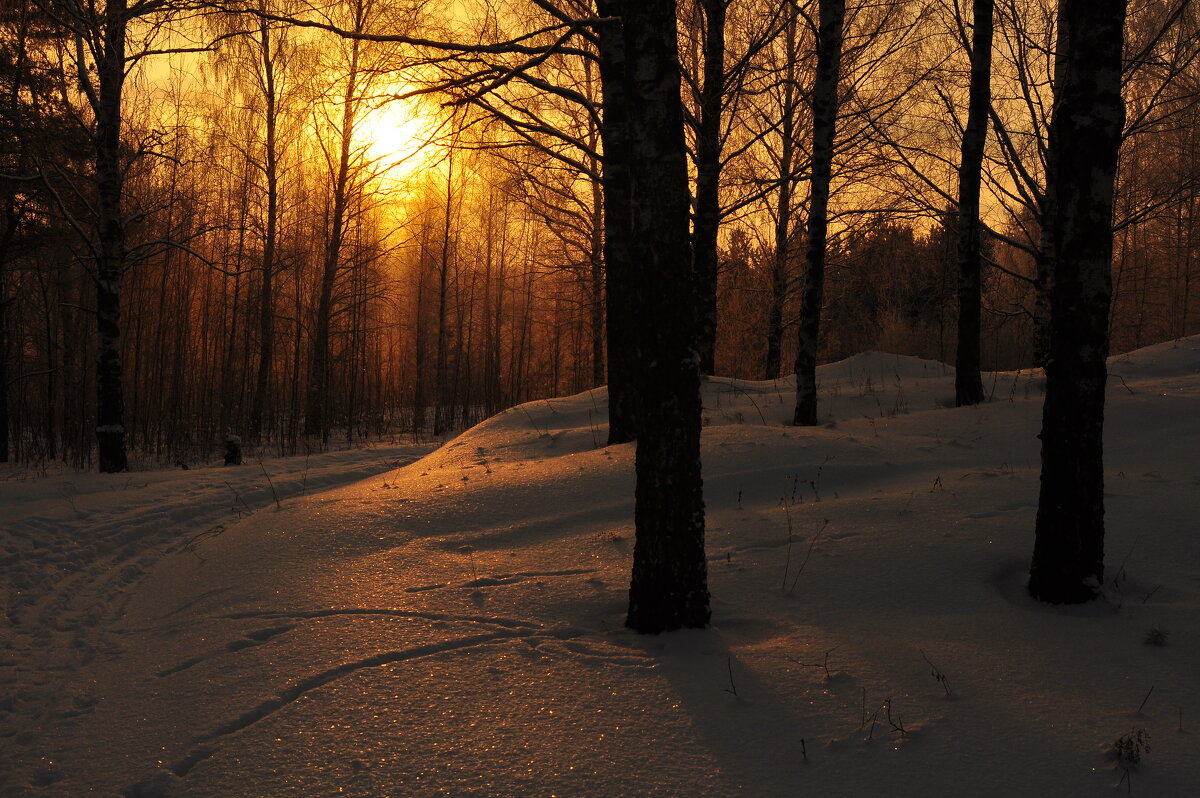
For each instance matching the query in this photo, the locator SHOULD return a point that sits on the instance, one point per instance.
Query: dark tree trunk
(708, 180)
(596, 284)
(968, 384)
(3, 370)
(620, 319)
(11, 217)
(110, 243)
(669, 587)
(1043, 279)
(442, 401)
(1085, 135)
(419, 344)
(824, 111)
(266, 296)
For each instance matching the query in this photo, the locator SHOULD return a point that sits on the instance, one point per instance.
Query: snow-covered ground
(455, 626)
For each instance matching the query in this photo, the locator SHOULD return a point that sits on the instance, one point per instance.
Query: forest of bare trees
(217, 221)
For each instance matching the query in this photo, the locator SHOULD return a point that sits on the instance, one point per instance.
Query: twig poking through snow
(811, 546)
(787, 563)
(1144, 700)
(823, 664)
(471, 557)
(936, 673)
(732, 688)
(272, 484)
(1123, 383)
(898, 724)
(531, 421)
(237, 497)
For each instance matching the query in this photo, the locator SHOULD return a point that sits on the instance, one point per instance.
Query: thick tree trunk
(1085, 135)
(968, 384)
(668, 589)
(620, 320)
(824, 111)
(708, 180)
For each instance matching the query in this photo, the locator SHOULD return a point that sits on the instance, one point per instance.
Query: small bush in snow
(1157, 636)
(1129, 747)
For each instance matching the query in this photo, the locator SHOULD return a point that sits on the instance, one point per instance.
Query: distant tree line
(210, 228)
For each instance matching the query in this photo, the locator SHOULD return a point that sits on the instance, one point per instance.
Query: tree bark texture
(1043, 287)
(968, 384)
(110, 242)
(1085, 135)
(824, 111)
(668, 589)
(620, 320)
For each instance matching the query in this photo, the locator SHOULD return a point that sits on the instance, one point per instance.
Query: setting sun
(400, 136)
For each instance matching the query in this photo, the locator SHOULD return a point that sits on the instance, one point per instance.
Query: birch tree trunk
(1043, 287)
(266, 294)
(596, 281)
(4, 420)
(668, 589)
(968, 384)
(783, 204)
(708, 180)
(110, 238)
(1085, 135)
(620, 321)
(824, 110)
(441, 395)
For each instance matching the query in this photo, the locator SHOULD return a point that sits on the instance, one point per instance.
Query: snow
(455, 626)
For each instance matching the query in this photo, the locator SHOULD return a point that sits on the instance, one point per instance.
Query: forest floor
(349, 624)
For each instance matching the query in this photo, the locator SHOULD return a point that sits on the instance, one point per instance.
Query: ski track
(71, 566)
(286, 697)
(563, 640)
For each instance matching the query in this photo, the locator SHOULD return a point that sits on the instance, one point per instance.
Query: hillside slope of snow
(455, 626)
